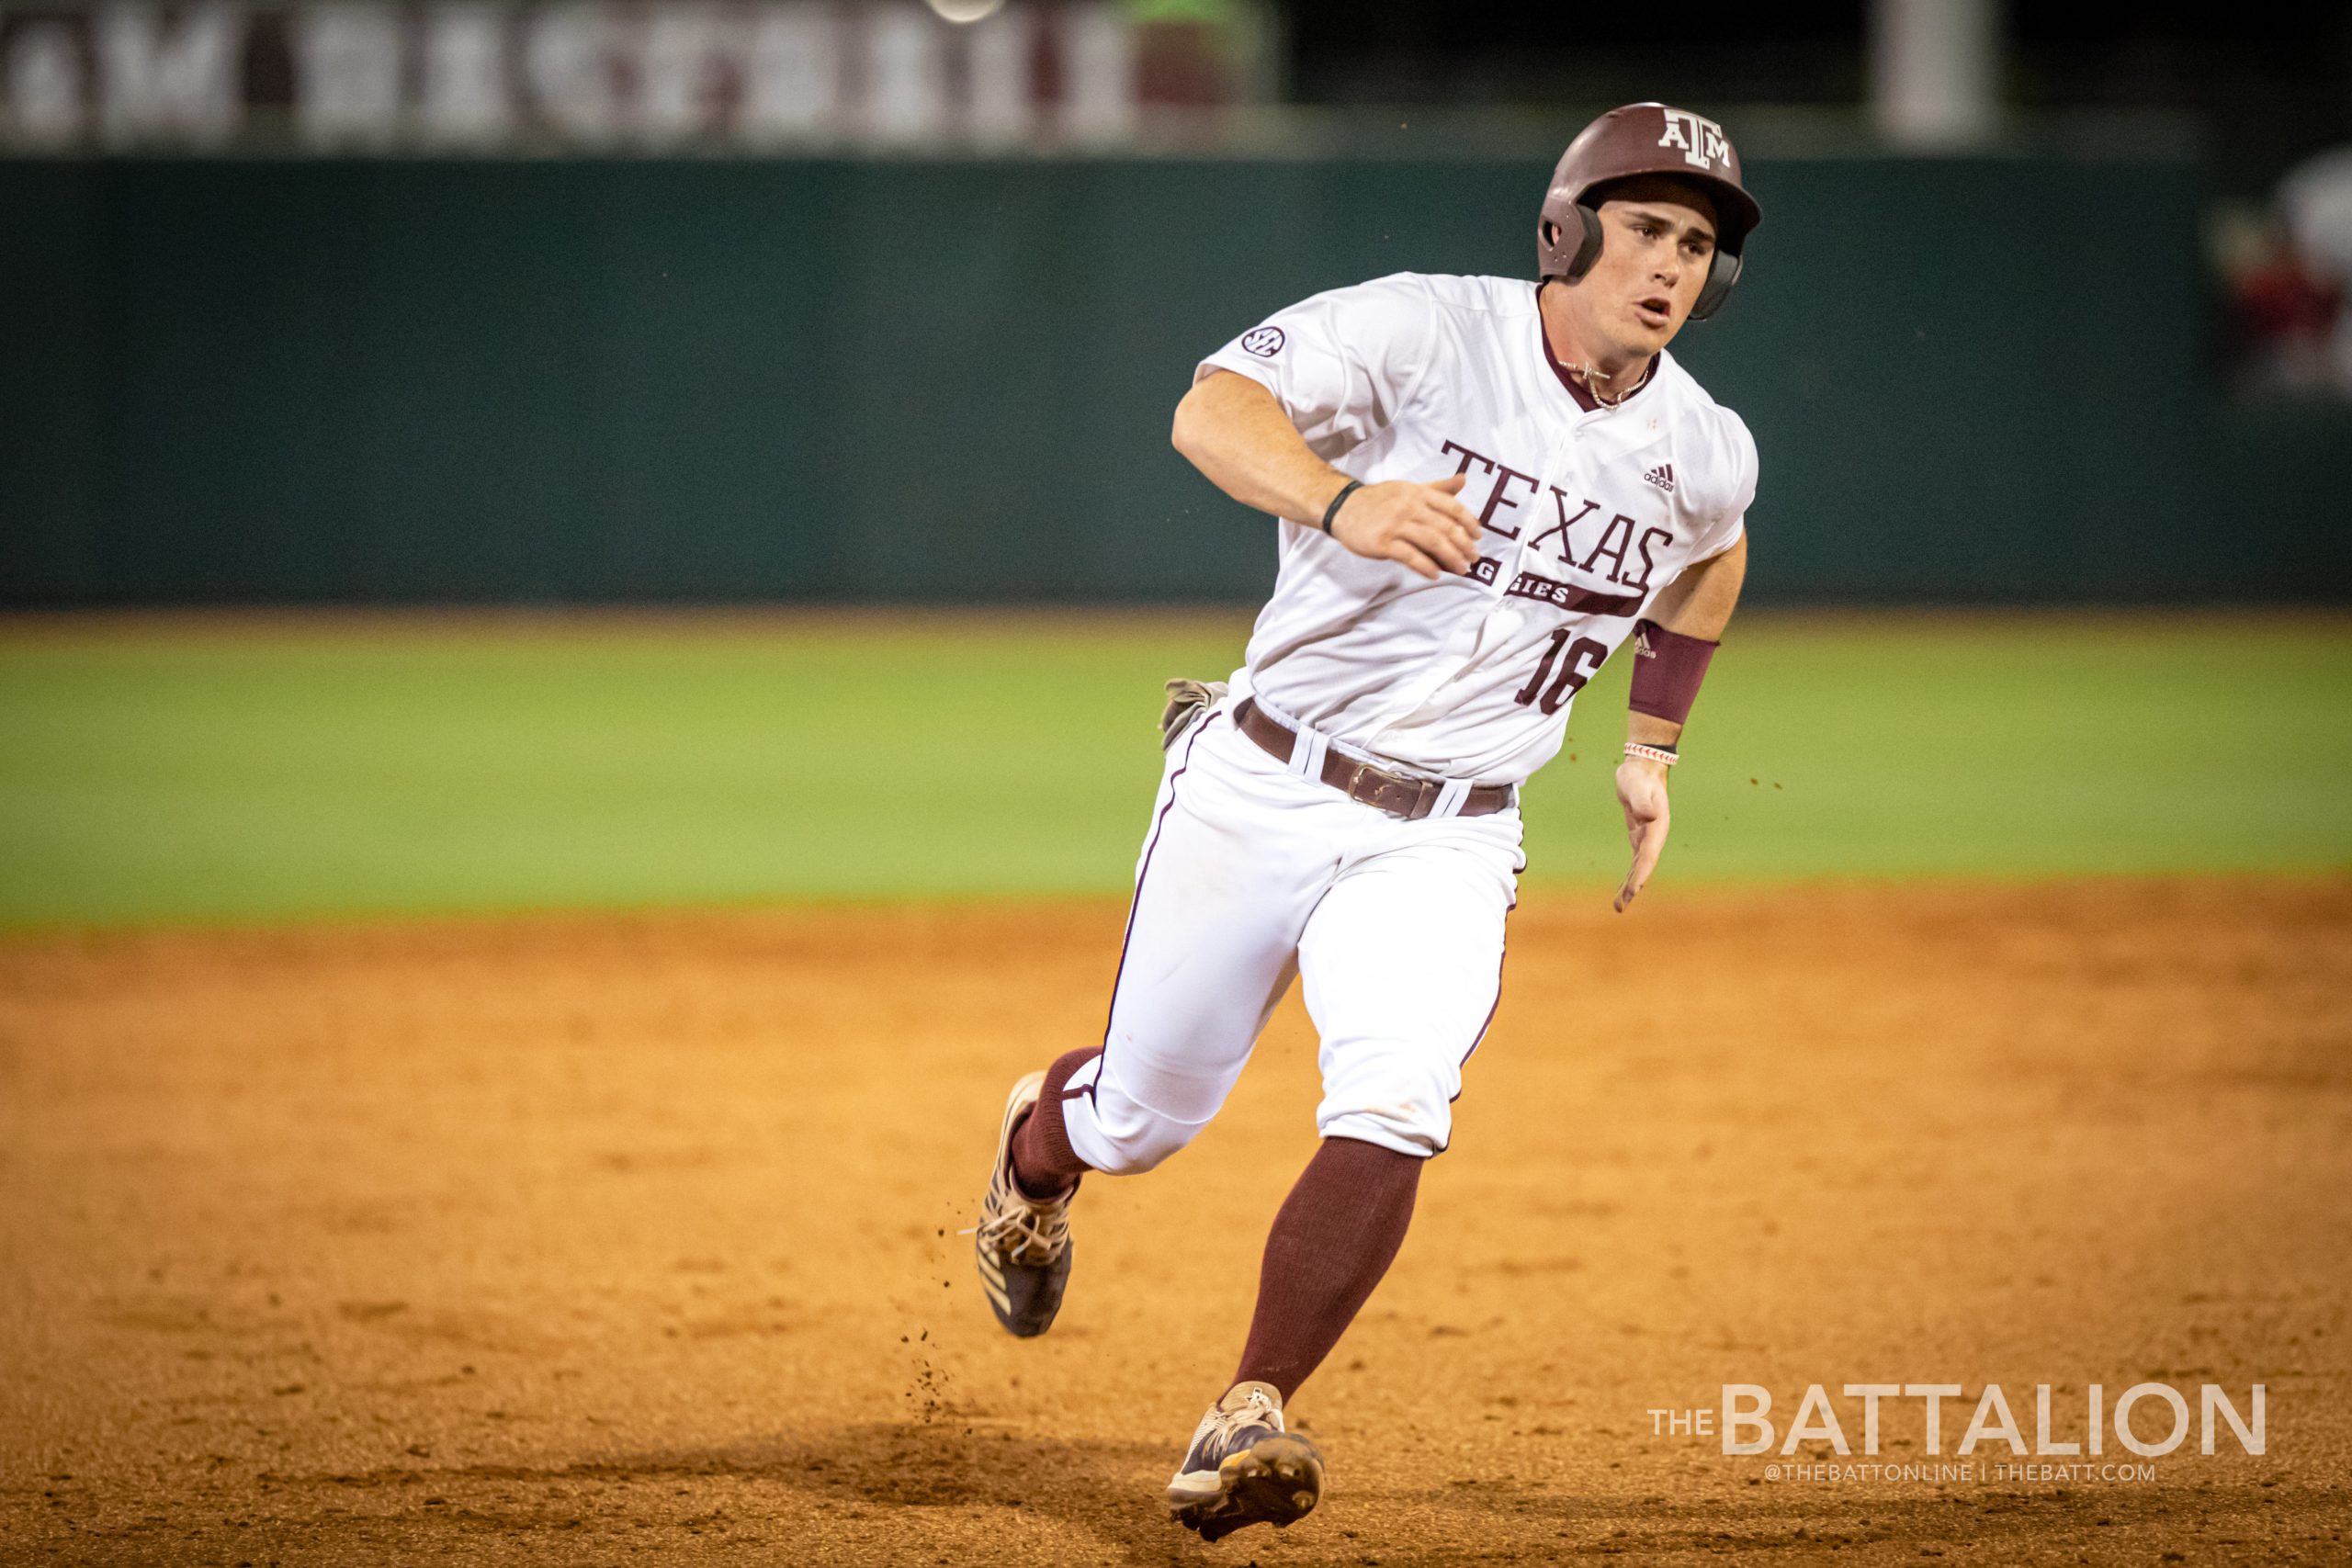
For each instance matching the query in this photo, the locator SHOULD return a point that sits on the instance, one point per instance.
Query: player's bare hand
(1422, 527)
(1641, 790)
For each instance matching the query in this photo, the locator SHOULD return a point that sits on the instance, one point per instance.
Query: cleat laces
(1255, 1411)
(1027, 1230)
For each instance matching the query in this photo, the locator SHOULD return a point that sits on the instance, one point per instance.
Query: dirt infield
(594, 1240)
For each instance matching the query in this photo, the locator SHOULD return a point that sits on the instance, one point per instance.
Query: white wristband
(1654, 753)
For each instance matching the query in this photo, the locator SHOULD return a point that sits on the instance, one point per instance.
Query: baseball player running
(1485, 486)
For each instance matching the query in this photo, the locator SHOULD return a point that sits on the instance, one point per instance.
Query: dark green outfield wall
(574, 381)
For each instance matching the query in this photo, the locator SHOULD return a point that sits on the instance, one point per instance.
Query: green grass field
(206, 770)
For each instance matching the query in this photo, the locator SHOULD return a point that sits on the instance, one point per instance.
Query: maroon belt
(1410, 798)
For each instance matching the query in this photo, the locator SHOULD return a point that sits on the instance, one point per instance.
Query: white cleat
(1245, 1468)
(1021, 1243)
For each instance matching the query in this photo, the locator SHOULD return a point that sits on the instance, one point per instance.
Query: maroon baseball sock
(1334, 1238)
(1043, 1163)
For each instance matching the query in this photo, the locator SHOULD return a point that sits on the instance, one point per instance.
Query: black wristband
(1333, 510)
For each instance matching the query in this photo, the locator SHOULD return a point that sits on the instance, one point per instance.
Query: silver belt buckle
(1386, 787)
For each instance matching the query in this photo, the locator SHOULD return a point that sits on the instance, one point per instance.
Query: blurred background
(884, 304)
(812, 302)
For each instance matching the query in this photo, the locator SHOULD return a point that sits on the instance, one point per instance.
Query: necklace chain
(1593, 377)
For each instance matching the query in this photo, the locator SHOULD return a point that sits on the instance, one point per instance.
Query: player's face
(1657, 241)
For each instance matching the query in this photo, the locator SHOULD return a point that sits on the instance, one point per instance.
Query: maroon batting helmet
(1644, 138)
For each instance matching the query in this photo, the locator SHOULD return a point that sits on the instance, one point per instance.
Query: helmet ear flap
(1588, 247)
(1722, 271)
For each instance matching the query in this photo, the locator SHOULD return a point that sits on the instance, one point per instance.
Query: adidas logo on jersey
(1663, 477)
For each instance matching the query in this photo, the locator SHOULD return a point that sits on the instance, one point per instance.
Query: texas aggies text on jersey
(1589, 510)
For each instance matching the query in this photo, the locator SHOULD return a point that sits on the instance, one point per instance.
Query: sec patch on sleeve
(1263, 342)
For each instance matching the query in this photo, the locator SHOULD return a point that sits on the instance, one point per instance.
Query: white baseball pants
(1254, 871)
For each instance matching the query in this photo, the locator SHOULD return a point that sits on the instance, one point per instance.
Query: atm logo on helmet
(1702, 141)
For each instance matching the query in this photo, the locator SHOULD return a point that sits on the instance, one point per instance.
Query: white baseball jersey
(1255, 869)
(1589, 510)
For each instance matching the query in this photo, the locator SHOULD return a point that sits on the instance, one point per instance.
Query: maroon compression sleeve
(1334, 1237)
(1667, 668)
(1043, 1164)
